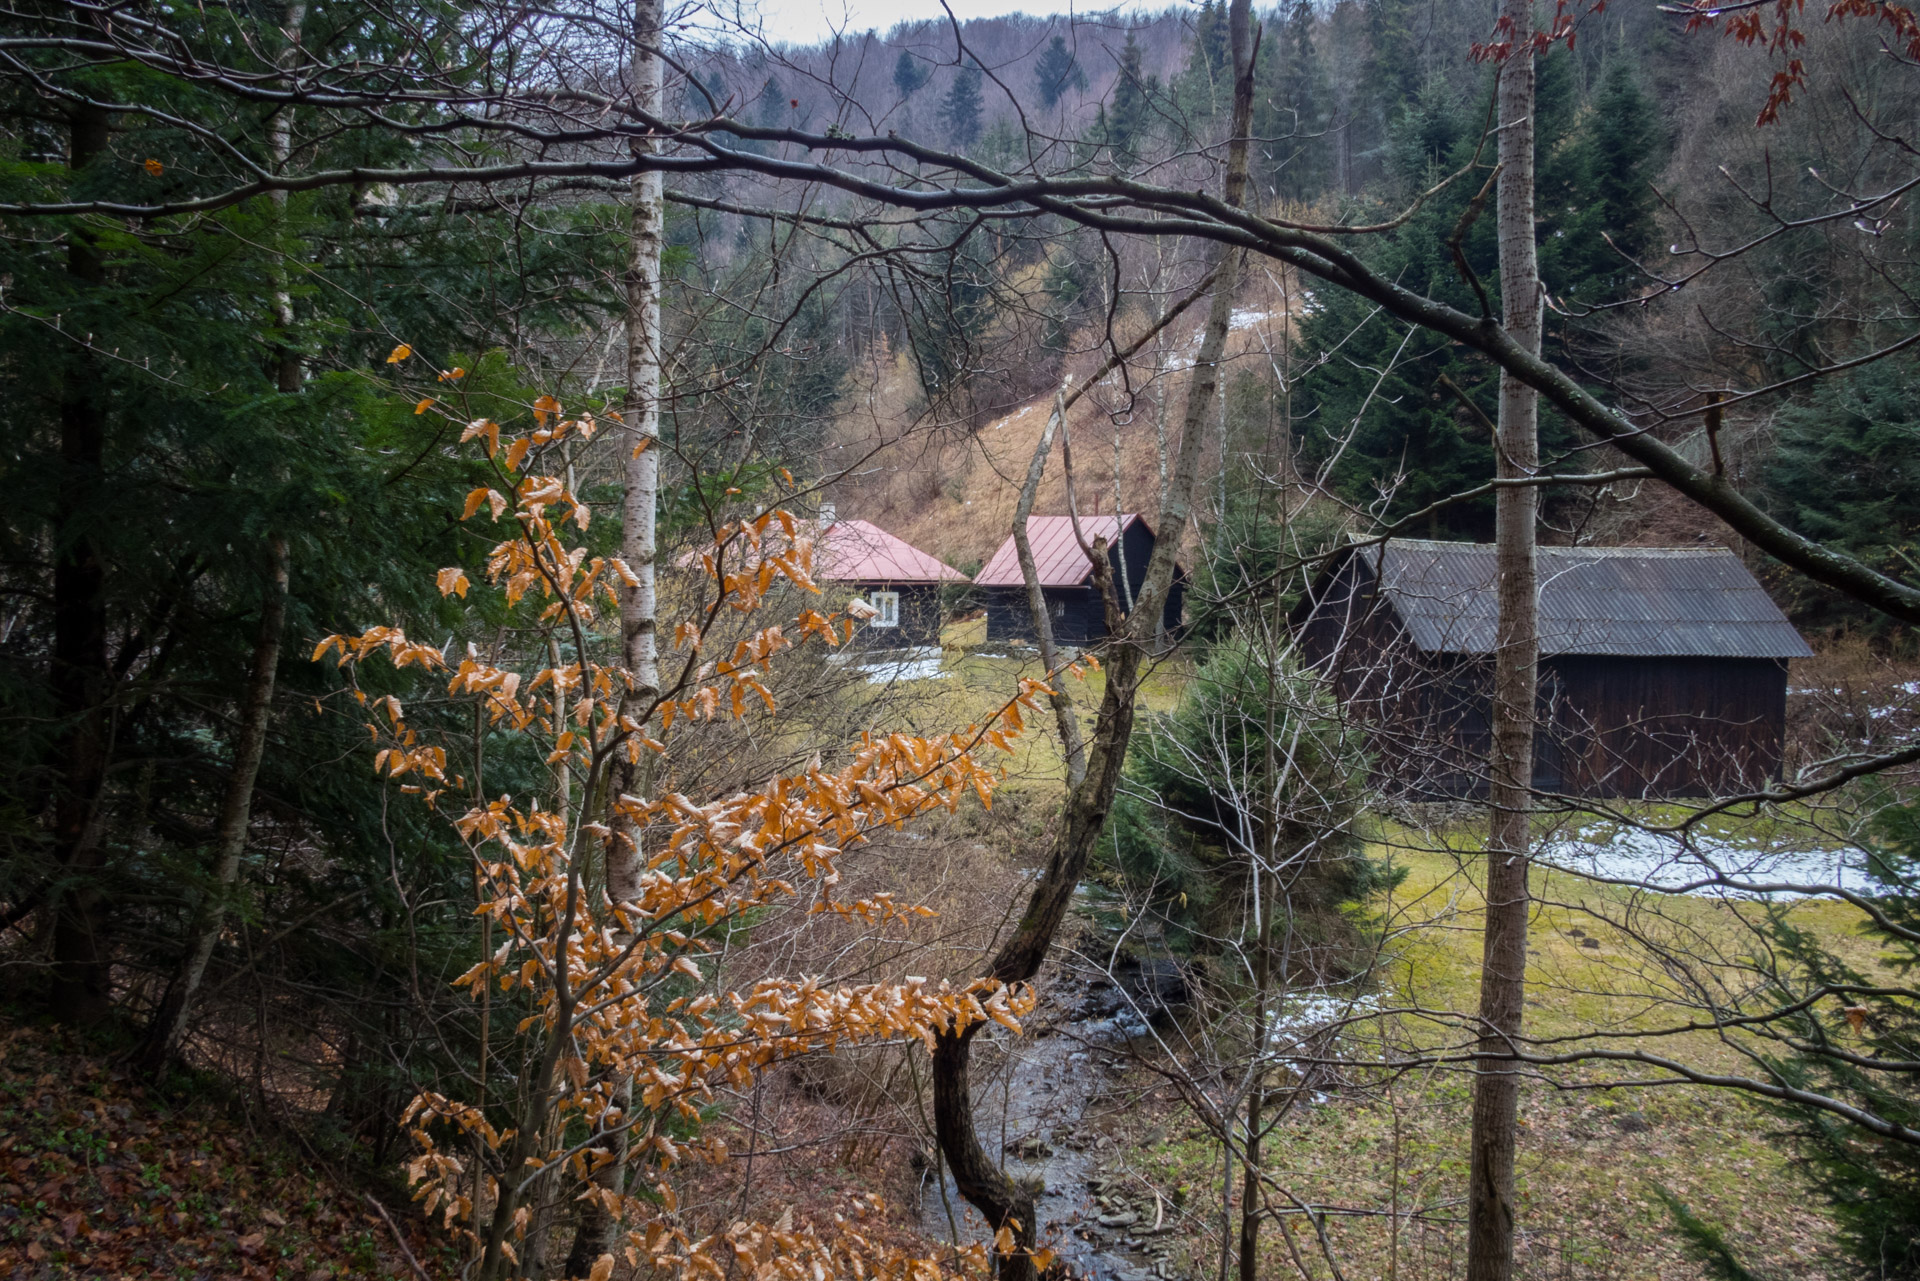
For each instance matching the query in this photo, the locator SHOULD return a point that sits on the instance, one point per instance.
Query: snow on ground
(1663, 862)
(922, 664)
(1305, 1015)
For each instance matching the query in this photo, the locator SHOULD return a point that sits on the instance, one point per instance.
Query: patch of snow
(1301, 1017)
(920, 664)
(1247, 318)
(1663, 863)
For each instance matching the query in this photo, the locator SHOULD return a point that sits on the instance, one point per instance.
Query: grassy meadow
(1382, 1157)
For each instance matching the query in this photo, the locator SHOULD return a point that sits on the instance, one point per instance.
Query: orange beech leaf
(545, 407)
(453, 581)
(423, 406)
(153, 167)
(449, 375)
(517, 451)
(399, 354)
(594, 981)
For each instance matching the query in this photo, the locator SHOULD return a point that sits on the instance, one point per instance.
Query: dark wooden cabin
(1663, 670)
(1066, 579)
(900, 581)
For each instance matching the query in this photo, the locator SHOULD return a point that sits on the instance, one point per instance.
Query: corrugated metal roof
(854, 551)
(1633, 601)
(1056, 553)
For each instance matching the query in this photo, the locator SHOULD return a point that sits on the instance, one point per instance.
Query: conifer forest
(695, 641)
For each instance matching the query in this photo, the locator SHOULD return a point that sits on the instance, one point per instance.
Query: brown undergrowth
(101, 1176)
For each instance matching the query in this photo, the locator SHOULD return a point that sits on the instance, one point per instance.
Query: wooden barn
(1663, 670)
(900, 581)
(1066, 579)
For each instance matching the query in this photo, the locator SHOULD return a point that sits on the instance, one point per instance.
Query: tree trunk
(78, 674)
(1001, 1201)
(169, 1022)
(1490, 1206)
(287, 369)
(1071, 746)
(639, 634)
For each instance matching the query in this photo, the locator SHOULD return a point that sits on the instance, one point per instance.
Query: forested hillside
(470, 804)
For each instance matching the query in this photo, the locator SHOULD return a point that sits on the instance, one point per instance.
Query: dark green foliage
(1204, 795)
(1127, 121)
(1058, 72)
(1070, 295)
(1255, 561)
(961, 109)
(772, 108)
(910, 75)
(1846, 470)
(1204, 88)
(1859, 1046)
(1409, 437)
(951, 313)
(348, 891)
(1291, 109)
(1596, 201)
(1412, 440)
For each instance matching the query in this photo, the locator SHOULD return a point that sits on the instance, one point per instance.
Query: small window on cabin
(887, 607)
(1056, 608)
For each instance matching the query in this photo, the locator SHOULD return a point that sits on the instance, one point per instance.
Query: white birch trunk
(639, 547)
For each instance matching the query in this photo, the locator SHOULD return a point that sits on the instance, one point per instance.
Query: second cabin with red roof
(1066, 579)
(901, 582)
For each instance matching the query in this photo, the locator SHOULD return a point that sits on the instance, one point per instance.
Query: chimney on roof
(827, 517)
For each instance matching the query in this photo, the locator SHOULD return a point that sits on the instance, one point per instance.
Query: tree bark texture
(169, 1022)
(287, 367)
(639, 608)
(987, 1187)
(1064, 716)
(1490, 1200)
(78, 675)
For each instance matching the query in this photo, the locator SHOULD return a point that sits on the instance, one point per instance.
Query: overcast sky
(813, 21)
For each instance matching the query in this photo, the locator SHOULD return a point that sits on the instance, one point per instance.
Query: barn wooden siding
(1079, 617)
(1611, 725)
(920, 616)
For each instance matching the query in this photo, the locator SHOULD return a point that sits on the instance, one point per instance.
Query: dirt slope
(953, 495)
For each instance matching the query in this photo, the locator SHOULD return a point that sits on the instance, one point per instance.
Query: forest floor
(103, 1177)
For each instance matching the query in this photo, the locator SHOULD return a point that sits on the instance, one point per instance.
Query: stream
(1040, 1117)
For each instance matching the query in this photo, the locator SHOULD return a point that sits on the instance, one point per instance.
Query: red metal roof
(1056, 553)
(853, 551)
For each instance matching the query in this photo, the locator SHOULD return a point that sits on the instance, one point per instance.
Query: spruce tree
(1058, 72)
(1130, 119)
(1204, 86)
(910, 75)
(962, 108)
(1846, 470)
(1290, 113)
(1613, 162)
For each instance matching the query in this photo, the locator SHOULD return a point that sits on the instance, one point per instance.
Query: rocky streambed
(1042, 1099)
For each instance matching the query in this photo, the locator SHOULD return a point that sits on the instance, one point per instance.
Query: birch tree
(639, 509)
